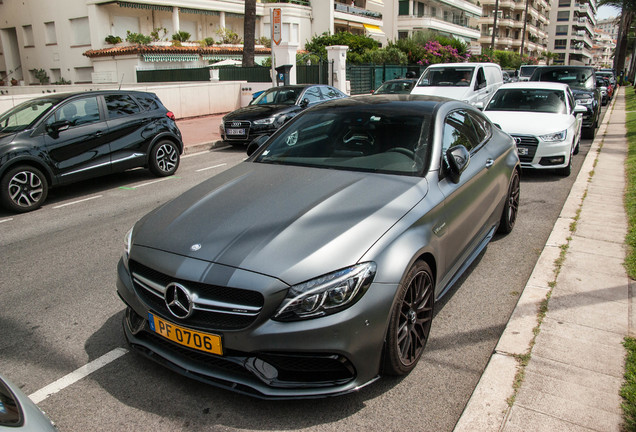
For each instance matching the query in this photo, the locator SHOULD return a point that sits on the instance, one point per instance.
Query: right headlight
(127, 246)
(585, 101)
(327, 294)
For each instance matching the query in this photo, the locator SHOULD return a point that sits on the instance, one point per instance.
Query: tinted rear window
(147, 103)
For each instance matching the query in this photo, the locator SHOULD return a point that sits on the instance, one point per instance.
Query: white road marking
(78, 201)
(195, 154)
(212, 167)
(153, 182)
(6, 220)
(76, 375)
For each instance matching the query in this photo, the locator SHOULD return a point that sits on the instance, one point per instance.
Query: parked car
(314, 265)
(473, 83)
(603, 86)
(544, 120)
(512, 75)
(63, 138)
(271, 109)
(18, 413)
(396, 86)
(607, 73)
(582, 82)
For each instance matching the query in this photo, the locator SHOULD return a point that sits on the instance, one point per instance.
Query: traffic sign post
(277, 18)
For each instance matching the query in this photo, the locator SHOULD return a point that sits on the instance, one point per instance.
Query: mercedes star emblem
(178, 300)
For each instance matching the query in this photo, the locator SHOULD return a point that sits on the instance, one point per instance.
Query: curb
(488, 407)
(201, 147)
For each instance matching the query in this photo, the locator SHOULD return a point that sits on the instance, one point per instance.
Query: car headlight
(555, 137)
(327, 294)
(585, 101)
(127, 246)
(275, 121)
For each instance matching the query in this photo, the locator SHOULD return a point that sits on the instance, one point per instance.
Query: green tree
(627, 8)
(249, 32)
(357, 44)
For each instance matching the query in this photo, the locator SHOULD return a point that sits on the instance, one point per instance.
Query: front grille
(216, 308)
(235, 125)
(529, 142)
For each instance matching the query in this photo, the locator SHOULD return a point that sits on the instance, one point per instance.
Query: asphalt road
(59, 311)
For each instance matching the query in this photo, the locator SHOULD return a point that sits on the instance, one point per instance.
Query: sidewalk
(200, 133)
(575, 364)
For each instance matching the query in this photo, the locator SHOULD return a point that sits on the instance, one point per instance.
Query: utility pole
(523, 33)
(494, 26)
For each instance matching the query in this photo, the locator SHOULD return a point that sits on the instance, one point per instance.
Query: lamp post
(523, 33)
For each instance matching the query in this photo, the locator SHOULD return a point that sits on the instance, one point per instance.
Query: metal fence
(365, 78)
(172, 75)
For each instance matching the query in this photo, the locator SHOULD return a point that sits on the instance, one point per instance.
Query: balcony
(416, 23)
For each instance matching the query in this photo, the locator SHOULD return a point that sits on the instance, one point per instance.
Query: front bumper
(537, 154)
(249, 131)
(320, 357)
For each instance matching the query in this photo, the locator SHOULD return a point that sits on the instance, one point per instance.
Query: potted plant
(14, 82)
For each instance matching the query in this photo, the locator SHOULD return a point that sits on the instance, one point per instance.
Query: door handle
(98, 133)
(489, 163)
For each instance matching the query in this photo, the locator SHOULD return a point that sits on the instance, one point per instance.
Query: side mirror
(457, 158)
(256, 144)
(58, 126)
(479, 105)
(304, 103)
(579, 109)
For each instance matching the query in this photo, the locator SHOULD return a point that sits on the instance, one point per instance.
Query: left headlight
(271, 121)
(585, 101)
(555, 137)
(127, 246)
(327, 294)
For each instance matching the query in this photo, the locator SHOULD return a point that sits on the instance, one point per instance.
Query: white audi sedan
(544, 120)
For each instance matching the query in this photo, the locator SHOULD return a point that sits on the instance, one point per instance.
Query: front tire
(23, 189)
(565, 171)
(511, 207)
(164, 158)
(411, 320)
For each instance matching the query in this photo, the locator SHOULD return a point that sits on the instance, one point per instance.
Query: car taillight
(170, 115)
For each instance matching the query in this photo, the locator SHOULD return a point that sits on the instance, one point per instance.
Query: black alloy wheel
(164, 158)
(23, 188)
(411, 319)
(511, 208)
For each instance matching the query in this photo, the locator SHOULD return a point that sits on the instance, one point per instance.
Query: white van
(473, 83)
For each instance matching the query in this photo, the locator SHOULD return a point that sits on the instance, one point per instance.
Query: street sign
(277, 18)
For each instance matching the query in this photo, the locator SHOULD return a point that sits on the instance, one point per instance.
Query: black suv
(63, 138)
(582, 82)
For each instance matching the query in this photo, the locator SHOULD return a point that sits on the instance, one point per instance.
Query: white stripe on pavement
(76, 375)
(212, 167)
(77, 202)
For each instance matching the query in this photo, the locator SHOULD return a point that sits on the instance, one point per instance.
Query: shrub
(41, 75)
(156, 36)
(181, 36)
(110, 39)
(137, 38)
(229, 37)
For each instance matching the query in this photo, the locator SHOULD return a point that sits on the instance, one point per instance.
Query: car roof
(58, 97)
(436, 65)
(535, 85)
(426, 104)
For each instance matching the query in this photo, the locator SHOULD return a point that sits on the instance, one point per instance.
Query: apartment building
(54, 35)
(609, 26)
(571, 31)
(603, 49)
(522, 25)
(451, 18)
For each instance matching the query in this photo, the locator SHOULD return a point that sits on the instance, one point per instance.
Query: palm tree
(249, 32)
(549, 55)
(627, 8)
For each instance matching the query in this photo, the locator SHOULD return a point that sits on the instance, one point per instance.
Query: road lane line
(148, 183)
(76, 375)
(212, 167)
(6, 220)
(78, 201)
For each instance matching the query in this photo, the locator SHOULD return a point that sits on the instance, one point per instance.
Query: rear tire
(164, 158)
(511, 208)
(23, 189)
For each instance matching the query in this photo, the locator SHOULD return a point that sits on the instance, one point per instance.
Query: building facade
(603, 50)
(571, 31)
(54, 36)
(609, 26)
(522, 25)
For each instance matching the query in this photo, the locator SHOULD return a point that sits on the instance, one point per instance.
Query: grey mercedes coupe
(313, 267)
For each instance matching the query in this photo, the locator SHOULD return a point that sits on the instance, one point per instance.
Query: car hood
(7, 137)
(459, 93)
(529, 123)
(254, 112)
(292, 223)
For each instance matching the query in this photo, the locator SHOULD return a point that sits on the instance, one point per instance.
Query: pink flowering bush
(435, 52)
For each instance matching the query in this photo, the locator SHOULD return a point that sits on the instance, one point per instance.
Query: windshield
(370, 139)
(535, 100)
(576, 78)
(278, 96)
(22, 116)
(447, 77)
(395, 87)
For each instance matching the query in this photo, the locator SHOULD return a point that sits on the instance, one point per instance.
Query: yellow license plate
(206, 342)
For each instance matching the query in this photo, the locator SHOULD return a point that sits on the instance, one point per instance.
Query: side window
(313, 95)
(77, 112)
(459, 130)
(481, 79)
(120, 106)
(147, 103)
(482, 127)
(330, 93)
